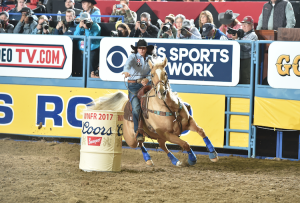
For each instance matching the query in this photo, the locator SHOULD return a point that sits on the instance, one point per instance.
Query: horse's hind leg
(213, 155)
(173, 159)
(129, 136)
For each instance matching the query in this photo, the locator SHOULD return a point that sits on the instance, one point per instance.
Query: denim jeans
(135, 102)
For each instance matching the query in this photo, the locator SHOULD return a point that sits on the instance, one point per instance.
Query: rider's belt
(135, 81)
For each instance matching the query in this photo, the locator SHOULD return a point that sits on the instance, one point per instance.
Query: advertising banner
(36, 56)
(283, 65)
(194, 62)
(58, 112)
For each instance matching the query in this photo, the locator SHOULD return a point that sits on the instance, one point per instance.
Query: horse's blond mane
(158, 64)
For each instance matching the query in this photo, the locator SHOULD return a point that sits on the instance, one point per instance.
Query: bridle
(165, 84)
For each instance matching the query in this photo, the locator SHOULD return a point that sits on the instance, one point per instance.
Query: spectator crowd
(85, 22)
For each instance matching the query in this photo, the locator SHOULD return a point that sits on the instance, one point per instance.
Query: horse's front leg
(174, 160)
(192, 159)
(213, 155)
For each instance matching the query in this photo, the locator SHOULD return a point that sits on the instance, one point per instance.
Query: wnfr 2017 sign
(196, 62)
(36, 56)
(283, 65)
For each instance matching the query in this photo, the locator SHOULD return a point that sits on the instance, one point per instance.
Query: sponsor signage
(60, 112)
(195, 62)
(37, 56)
(283, 65)
(94, 141)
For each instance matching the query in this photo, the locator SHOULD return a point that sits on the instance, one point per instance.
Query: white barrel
(101, 140)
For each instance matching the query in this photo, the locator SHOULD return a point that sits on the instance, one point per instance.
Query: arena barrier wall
(277, 108)
(220, 110)
(225, 112)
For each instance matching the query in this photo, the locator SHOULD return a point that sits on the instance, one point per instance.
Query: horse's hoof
(179, 163)
(191, 163)
(213, 156)
(215, 159)
(149, 163)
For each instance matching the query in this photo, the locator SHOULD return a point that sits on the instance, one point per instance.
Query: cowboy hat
(228, 17)
(91, 1)
(143, 43)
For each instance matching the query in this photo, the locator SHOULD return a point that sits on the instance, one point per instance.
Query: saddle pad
(128, 112)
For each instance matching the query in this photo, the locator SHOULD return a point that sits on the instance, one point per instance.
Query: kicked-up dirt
(48, 172)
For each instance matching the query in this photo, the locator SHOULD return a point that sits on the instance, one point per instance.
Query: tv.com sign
(38, 56)
(195, 62)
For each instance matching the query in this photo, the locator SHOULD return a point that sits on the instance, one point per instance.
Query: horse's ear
(165, 62)
(150, 64)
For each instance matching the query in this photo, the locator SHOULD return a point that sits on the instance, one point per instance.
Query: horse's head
(159, 78)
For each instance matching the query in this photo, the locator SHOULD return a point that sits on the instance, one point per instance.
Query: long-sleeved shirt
(218, 35)
(246, 47)
(23, 28)
(70, 31)
(195, 34)
(129, 16)
(95, 30)
(290, 18)
(135, 70)
(9, 28)
(35, 31)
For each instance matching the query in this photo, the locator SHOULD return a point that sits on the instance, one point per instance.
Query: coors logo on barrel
(94, 141)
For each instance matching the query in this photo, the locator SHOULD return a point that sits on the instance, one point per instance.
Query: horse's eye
(152, 75)
(165, 74)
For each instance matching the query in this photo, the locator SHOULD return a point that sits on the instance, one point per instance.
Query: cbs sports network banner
(193, 62)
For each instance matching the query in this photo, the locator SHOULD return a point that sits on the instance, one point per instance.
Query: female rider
(137, 71)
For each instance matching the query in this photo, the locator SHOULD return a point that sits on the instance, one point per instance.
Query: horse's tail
(113, 102)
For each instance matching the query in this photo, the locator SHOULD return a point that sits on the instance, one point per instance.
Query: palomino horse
(167, 118)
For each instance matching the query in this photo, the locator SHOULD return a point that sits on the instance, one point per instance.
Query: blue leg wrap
(145, 154)
(192, 157)
(173, 159)
(209, 146)
(212, 155)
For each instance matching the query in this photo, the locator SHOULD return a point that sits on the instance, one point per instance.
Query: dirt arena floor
(48, 172)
